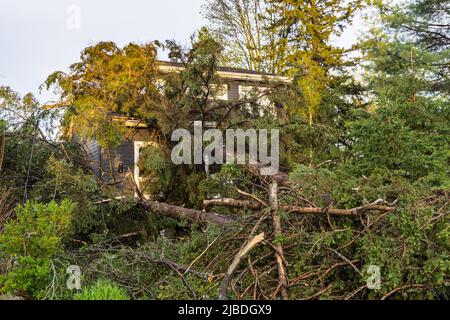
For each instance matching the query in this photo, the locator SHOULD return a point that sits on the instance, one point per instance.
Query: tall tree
(313, 24)
(406, 83)
(286, 36)
(413, 37)
(107, 80)
(426, 22)
(245, 27)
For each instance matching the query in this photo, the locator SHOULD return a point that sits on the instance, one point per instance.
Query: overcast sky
(38, 37)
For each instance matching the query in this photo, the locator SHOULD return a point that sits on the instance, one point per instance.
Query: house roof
(229, 73)
(223, 72)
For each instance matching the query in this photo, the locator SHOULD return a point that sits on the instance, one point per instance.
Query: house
(122, 161)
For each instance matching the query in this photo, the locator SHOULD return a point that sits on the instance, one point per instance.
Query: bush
(37, 230)
(103, 290)
(30, 277)
(33, 239)
(64, 180)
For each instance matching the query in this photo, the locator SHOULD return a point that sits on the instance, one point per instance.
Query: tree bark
(279, 255)
(2, 150)
(241, 204)
(180, 212)
(339, 212)
(236, 261)
(301, 210)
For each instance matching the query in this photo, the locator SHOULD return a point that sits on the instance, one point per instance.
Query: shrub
(103, 290)
(30, 277)
(33, 239)
(37, 230)
(64, 180)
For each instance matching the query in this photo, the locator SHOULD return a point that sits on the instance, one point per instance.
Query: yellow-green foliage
(32, 240)
(64, 180)
(38, 229)
(155, 169)
(103, 290)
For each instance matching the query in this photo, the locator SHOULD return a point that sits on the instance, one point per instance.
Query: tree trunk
(279, 255)
(2, 150)
(241, 204)
(181, 212)
(376, 206)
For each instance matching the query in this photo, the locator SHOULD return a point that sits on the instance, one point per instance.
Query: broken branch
(181, 212)
(376, 206)
(279, 254)
(232, 203)
(236, 261)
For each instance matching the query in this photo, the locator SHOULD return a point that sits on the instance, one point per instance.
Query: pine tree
(410, 48)
(313, 23)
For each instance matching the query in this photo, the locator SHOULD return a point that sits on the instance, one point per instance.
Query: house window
(219, 92)
(216, 92)
(252, 92)
(160, 85)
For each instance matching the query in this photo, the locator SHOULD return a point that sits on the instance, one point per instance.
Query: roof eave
(234, 75)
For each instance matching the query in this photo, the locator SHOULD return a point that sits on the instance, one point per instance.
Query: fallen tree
(181, 212)
(379, 205)
(223, 220)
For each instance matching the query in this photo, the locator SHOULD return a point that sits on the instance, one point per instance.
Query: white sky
(35, 39)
